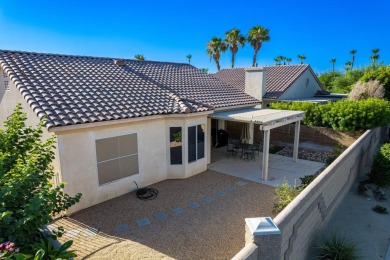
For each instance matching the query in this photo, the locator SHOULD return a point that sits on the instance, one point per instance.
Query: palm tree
(189, 56)
(333, 61)
(256, 36)
(139, 57)
(215, 48)
(352, 52)
(234, 39)
(348, 65)
(277, 61)
(374, 57)
(288, 61)
(301, 57)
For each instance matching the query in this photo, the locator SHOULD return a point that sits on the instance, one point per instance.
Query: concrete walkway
(354, 218)
(280, 167)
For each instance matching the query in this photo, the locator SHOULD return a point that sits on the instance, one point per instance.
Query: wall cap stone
(262, 226)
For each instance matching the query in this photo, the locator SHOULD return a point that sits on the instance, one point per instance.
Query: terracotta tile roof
(279, 78)
(78, 89)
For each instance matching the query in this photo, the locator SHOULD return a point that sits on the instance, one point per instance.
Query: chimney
(255, 82)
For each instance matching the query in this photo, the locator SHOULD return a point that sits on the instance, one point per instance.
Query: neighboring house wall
(299, 89)
(9, 99)
(77, 152)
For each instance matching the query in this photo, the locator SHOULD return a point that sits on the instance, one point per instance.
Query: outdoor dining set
(243, 150)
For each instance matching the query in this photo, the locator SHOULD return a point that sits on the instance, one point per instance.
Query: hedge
(343, 115)
(380, 171)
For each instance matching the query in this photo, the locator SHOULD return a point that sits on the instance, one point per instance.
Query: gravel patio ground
(214, 230)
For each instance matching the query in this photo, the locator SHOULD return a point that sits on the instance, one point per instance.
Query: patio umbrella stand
(146, 193)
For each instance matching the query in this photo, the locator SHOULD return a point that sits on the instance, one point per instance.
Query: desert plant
(28, 199)
(301, 58)
(306, 180)
(234, 39)
(352, 52)
(139, 57)
(380, 170)
(285, 194)
(256, 36)
(333, 61)
(336, 151)
(382, 74)
(215, 48)
(338, 247)
(379, 209)
(189, 56)
(47, 251)
(364, 90)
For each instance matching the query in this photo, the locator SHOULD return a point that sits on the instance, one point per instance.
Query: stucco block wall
(77, 154)
(299, 89)
(311, 209)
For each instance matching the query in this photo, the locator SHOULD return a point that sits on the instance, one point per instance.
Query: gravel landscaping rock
(307, 154)
(213, 231)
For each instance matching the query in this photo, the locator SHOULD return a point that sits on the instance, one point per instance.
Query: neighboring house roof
(72, 90)
(278, 78)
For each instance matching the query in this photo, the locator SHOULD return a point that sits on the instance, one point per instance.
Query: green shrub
(380, 171)
(335, 246)
(306, 180)
(285, 194)
(343, 115)
(28, 198)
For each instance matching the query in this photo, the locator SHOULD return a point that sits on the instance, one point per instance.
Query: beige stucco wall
(77, 153)
(314, 206)
(299, 89)
(8, 102)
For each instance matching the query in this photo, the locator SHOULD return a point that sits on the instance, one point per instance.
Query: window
(4, 74)
(6, 86)
(117, 157)
(196, 142)
(175, 140)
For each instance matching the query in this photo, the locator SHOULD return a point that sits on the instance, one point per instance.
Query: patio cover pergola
(267, 119)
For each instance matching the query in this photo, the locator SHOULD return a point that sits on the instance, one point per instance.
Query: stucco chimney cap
(256, 69)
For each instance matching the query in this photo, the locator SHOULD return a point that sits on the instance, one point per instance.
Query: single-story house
(117, 121)
(283, 83)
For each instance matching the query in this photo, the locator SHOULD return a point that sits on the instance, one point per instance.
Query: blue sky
(169, 30)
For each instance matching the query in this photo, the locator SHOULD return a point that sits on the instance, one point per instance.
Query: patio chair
(249, 153)
(258, 147)
(231, 150)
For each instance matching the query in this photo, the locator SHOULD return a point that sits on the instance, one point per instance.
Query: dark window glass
(175, 140)
(191, 143)
(201, 141)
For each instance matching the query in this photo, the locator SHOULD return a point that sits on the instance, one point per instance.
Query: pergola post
(265, 154)
(296, 140)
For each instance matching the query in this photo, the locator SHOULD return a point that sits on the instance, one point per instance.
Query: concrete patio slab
(280, 168)
(194, 205)
(208, 199)
(142, 222)
(220, 193)
(161, 216)
(230, 188)
(121, 228)
(178, 211)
